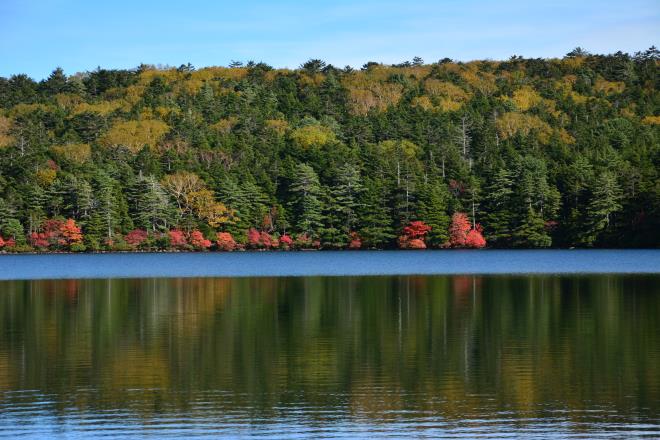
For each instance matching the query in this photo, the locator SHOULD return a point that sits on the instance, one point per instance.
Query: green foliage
(562, 152)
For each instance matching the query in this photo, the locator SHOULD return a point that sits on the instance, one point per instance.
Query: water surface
(339, 263)
(388, 356)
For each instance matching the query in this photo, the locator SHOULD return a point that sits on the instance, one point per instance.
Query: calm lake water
(542, 355)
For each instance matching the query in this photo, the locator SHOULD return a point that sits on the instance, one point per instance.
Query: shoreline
(283, 251)
(328, 263)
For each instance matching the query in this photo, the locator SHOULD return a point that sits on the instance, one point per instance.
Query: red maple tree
(461, 233)
(286, 242)
(413, 235)
(198, 241)
(177, 238)
(225, 241)
(136, 237)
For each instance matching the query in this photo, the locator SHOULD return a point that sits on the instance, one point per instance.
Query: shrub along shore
(66, 236)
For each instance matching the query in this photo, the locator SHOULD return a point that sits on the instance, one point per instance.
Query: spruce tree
(307, 193)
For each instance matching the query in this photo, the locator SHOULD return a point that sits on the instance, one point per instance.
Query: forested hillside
(526, 152)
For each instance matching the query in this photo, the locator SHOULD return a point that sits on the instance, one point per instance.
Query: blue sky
(38, 35)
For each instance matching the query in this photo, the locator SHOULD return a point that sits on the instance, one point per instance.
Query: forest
(522, 153)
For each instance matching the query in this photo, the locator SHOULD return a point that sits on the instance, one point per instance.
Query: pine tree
(498, 205)
(531, 232)
(106, 203)
(375, 215)
(433, 205)
(605, 200)
(153, 210)
(307, 193)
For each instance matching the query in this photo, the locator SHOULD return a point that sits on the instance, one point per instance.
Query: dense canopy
(521, 153)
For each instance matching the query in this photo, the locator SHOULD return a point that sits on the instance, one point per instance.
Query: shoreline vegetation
(522, 153)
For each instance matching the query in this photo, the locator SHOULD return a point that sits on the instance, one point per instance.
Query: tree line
(518, 153)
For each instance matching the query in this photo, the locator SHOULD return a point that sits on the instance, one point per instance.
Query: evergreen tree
(531, 232)
(377, 229)
(605, 200)
(499, 207)
(433, 206)
(307, 193)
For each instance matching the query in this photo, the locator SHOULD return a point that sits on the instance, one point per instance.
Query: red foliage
(177, 238)
(286, 241)
(461, 233)
(136, 237)
(253, 238)
(198, 241)
(416, 229)
(10, 242)
(39, 240)
(267, 241)
(71, 232)
(356, 241)
(459, 229)
(413, 235)
(475, 240)
(225, 241)
(416, 243)
(57, 233)
(303, 241)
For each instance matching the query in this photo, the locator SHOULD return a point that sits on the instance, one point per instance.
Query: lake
(438, 344)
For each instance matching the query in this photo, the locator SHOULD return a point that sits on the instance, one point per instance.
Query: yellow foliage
(222, 73)
(312, 135)
(192, 196)
(484, 82)
(447, 105)
(224, 126)
(167, 75)
(190, 86)
(401, 149)
(311, 80)
(163, 112)
(574, 62)
(423, 102)
(134, 94)
(449, 97)
(651, 120)
(277, 125)
(577, 98)
(46, 176)
(207, 208)
(24, 109)
(550, 106)
(366, 90)
(135, 134)
(609, 87)
(78, 153)
(565, 136)
(437, 88)
(510, 124)
(102, 108)
(526, 98)
(67, 100)
(5, 127)
(628, 112)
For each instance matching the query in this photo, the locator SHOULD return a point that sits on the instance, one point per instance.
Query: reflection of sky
(80, 35)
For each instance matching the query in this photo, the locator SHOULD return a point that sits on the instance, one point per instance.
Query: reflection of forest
(374, 345)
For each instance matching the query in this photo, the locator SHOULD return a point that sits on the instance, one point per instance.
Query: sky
(79, 35)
